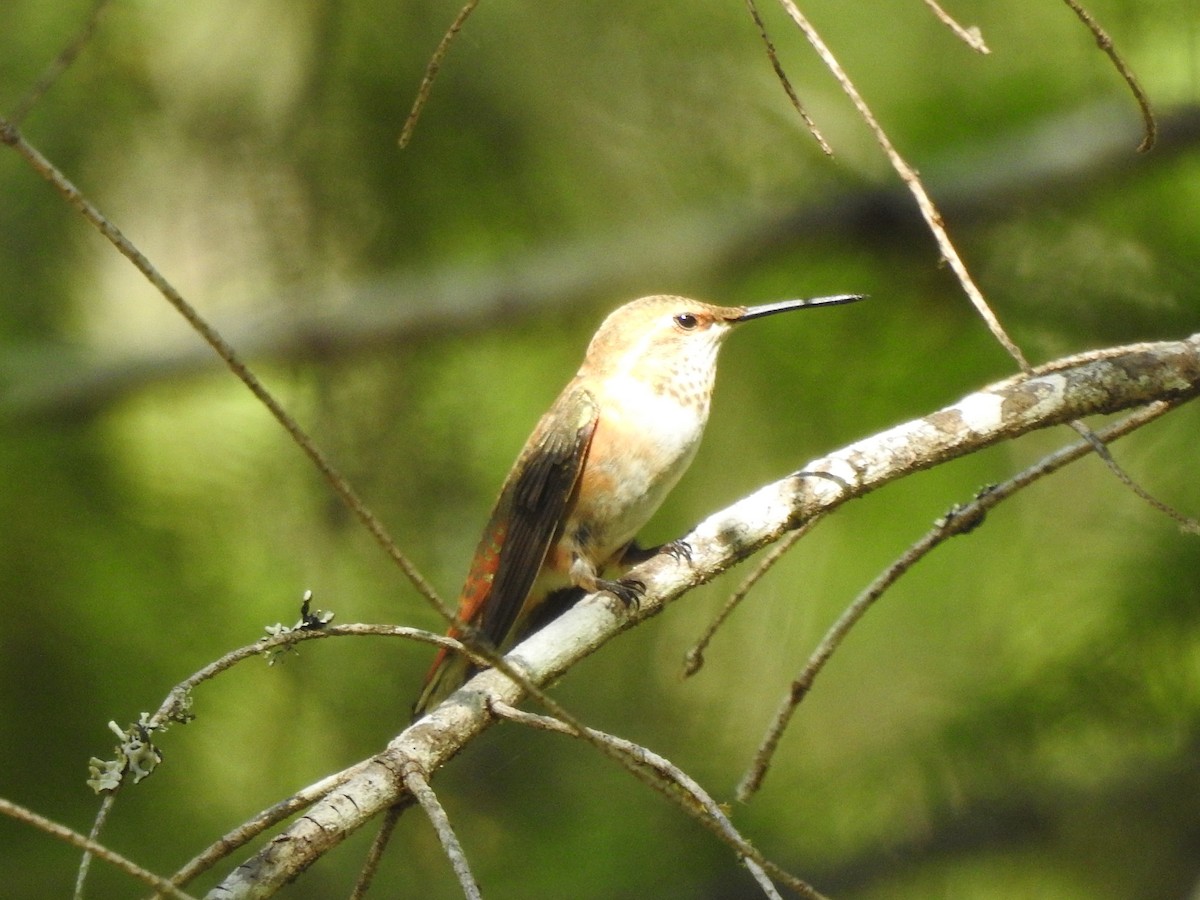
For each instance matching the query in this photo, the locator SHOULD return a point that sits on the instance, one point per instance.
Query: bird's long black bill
(769, 309)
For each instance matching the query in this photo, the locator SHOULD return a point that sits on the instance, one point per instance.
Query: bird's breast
(644, 441)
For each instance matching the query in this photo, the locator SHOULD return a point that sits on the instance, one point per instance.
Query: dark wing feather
(532, 504)
(535, 498)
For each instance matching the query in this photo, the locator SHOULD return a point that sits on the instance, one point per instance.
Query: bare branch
(177, 697)
(908, 175)
(11, 136)
(375, 855)
(234, 840)
(1185, 522)
(1099, 382)
(934, 219)
(178, 700)
(418, 786)
(959, 520)
(75, 839)
(971, 36)
(785, 82)
(85, 862)
(59, 64)
(693, 659)
(705, 810)
(1105, 43)
(431, 71)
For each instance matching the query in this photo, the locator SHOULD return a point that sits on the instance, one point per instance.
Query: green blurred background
(1019, 717)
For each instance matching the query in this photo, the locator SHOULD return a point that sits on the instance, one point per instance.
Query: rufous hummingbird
(597, 466)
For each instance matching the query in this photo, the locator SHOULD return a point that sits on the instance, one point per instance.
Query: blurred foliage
(1019, 717)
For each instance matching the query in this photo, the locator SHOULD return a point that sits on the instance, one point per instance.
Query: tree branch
(960, 519)
(1103, 381)
(674, 779)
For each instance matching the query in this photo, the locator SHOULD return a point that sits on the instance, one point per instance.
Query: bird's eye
(686, 321)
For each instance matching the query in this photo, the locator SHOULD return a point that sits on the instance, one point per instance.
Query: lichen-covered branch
(1103, 381)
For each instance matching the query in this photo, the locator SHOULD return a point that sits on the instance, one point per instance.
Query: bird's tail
(447, 674)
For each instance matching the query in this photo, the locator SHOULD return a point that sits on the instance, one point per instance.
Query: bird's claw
(679, 550)
(628, 590)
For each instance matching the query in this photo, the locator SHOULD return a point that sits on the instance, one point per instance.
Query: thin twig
(59, 64)
(431, 71)
(1105, 43)
(783, 80)
(959, 520)
(1185, 522)
(11, 136)
(909, 176)
(418, 785)
(706, 810)
(246, 832)
(85, 861)
(375, 855)
(176, 702)
(478, 650)
(235, 839)
(265, 645)
(934, 220)
(693, 660)
(75, 839)
(971, 36)
(1111, 380)
(174, 708)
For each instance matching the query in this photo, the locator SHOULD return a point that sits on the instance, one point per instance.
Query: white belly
(643, 444)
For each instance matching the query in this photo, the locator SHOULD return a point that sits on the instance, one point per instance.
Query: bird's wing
(532, 505)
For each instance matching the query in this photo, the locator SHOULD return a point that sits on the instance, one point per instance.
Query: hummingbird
(597, 466)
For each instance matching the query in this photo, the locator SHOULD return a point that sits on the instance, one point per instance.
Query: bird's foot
(679, 550)
(628, 590)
